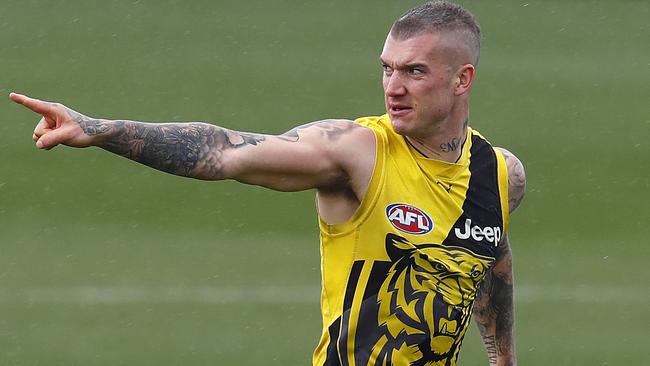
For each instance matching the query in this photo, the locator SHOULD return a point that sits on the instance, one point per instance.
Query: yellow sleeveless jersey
(400, 277)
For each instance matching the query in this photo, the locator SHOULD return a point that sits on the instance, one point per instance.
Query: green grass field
(104, 262)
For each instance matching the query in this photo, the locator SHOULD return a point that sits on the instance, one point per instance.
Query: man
(413, 205)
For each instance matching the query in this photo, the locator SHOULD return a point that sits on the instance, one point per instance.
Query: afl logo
(409, 219)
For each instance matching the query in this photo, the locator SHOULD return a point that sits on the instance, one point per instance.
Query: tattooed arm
(494, 309)
(311, 156)
(494, 306)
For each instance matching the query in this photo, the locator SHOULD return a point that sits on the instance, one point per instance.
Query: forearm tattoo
(491, 348)
(503, 303)
(187, 149)
(494, 308)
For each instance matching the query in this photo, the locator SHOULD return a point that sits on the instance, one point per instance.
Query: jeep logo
(488, 233)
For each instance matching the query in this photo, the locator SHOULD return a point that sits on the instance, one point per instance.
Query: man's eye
(416, 71)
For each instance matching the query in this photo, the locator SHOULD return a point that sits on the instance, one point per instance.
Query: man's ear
(464, 79)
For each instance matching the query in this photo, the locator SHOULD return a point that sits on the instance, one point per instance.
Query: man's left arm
(494, 306)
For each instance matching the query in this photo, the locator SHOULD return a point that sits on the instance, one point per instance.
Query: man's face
(419, 82)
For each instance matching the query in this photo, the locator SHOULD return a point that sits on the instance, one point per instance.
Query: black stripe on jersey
(369, 331)
(482, 200)
(332, 358)
(338, 355)
(377, 277)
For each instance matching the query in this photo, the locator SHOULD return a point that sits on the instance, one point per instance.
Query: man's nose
(394, 85)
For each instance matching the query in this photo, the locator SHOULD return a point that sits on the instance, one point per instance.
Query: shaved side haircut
(440, 16)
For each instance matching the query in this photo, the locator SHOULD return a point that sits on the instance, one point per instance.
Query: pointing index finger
(35, 105)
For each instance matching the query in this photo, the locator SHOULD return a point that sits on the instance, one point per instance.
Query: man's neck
(446, 144)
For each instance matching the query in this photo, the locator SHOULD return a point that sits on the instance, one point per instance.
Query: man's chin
(400, 126)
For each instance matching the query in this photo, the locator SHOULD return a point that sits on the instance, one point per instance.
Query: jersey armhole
(502, 177)
(369, 200)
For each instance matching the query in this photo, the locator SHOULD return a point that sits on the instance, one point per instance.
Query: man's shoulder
(377, 123)
(511, 159)
(342, 139)
(505, 151)
(355, 136)
(331, 131)
(344, 131)
(358, 134)
(516, 178)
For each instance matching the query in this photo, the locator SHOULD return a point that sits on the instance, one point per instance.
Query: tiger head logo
(426, 300)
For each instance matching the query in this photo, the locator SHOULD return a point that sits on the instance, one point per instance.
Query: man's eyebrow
(414, 65)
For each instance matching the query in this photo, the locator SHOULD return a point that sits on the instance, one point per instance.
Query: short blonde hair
(440, 16)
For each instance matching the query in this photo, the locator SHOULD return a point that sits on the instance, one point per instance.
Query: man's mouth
(398, 110)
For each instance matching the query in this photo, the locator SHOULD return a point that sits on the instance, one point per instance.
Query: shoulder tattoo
(331, 129)
(516, 179)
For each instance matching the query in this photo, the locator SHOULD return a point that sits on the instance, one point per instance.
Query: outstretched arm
(494, 306)
(311, 156)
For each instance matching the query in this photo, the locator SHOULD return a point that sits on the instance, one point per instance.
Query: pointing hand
(58, 125)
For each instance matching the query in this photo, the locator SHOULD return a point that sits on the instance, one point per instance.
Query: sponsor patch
(489, 234)
(409, 219)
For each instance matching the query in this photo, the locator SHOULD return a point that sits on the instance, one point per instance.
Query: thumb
(52, 138)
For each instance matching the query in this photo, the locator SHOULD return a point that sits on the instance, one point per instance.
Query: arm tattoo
(485, 316)
(331, 129)
(494, 305)
(494, 308)
(516, 179)
(491, 348)
(292, 135)
(503, 302)
(187, 149)
(176, 148)
(516, 183)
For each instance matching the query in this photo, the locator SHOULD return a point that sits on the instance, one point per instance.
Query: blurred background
(105, 262)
